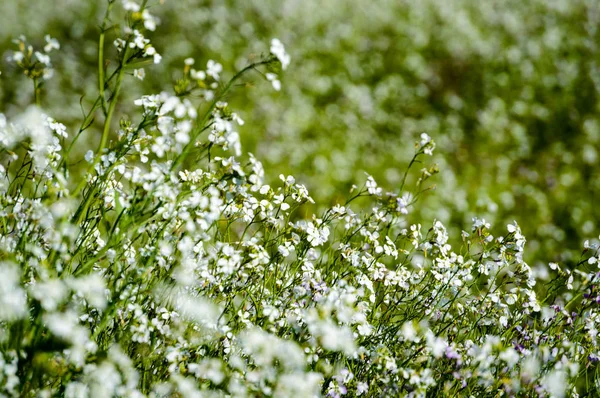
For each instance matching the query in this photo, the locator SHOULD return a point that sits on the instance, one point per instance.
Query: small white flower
(372, 187)
(403, 203)
(51, 44)
(272, 77)
(427, 144)
(13, 299)
(278, 50)
(361, 388)
(43, 58)
(119, 44)
(130, 5)
(480, 223)
(139, 73)
(150, 21)
(213, 69)
(264, 189)
(504, 321)
(365, 329)
(139, 40)
(198, 74)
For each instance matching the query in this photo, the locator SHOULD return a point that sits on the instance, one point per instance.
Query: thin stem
(107, 122)
(101, 81)
(36, 92)
(408, 169)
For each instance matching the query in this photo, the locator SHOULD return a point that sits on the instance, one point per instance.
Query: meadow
(299, 198)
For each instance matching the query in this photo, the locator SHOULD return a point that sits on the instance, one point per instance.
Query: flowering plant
(166, 266)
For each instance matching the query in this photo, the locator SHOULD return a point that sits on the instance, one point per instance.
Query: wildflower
(278, 50)
(372, 187)
(362, 388)
(480, 223)
(139, 73)
(198, 75)
(213, 69)
(317, 236)
(403, 203)
(139, 40)
(150, 21)
(13, 300)
(51, 44)
(130, 5)
(272, 77)
(427, 144)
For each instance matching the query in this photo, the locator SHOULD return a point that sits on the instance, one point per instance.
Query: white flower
(512, 227)
(130, 5)
(409, 332)
(51, 44)
(365, 329)
(150, 21)
(272, 77)
(139, 73)
(436, 344)
(213, 69)
(317, 236)
(13, 300)
(503, 321)
(403, 203)
(286, 248)
(510, 356)
(278, 50)
(92, 287)
(119, 44)
(361, 388)
(427, 144)
(198, 74)
(138, 41)
(480, 223)
(372, 187)
(43, 58)
(555, 383)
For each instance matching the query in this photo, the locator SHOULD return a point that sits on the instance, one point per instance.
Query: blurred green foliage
(508, 89)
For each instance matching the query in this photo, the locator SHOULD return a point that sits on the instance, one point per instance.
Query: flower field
(299, 198)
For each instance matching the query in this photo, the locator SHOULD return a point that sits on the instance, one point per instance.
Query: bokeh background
(508, 89)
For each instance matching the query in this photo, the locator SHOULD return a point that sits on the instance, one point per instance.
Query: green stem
(36, 92)
(408, 169)
(109, 115)
(101, 81)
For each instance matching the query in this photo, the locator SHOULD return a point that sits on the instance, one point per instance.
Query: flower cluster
(35, 64)
(169, 267)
